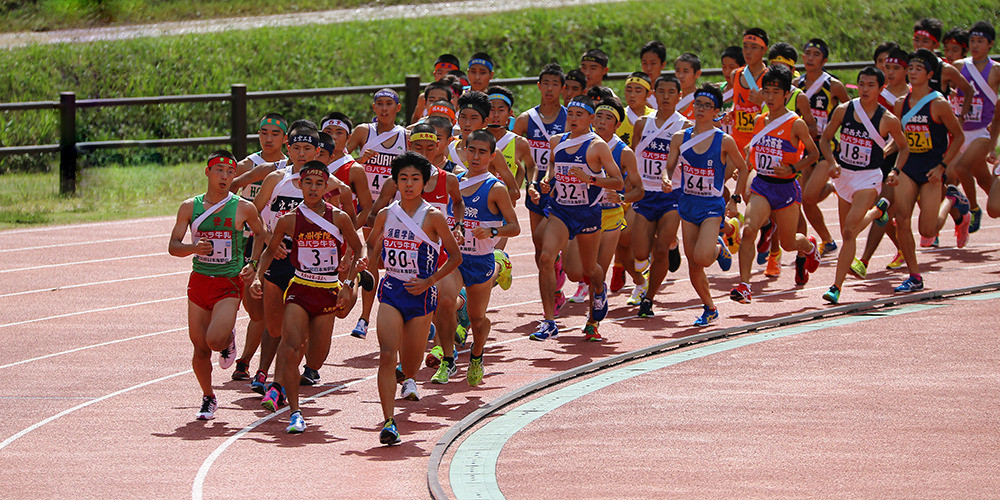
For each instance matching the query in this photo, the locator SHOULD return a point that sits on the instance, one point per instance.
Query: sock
(864, 261)
(449, 359)
(473, 357)
(917, 276)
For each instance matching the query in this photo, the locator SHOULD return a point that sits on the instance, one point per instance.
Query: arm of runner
(284, 226)
(253, 175)
(525, 162)
(825, 140)
(890, 125)
(266, 190)
(498, 167)
(734, 160)
(839, 91)
(177, 247)
(247, 214)
(359, 184)
(805, 111)
(673, 156)
(418, 109)
(440, 230)
(357, 139)
(599, 154)
(373, 246)
(457, 207)
(633, 185)
(384, 199)
(640, 124)
(510, 228)
(801, 133)
(955, 80)
(941, 112)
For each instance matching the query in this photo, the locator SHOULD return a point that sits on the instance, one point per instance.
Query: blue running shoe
(600, 309)
(296, 424)
(912, 284)
(430, 336)
(361, 330)
(389, 435)
(959, 201)
(725, 258)
(883, 205)
(827, 248)
(707, 316)
(463, 312)
(977, 218)
(546, 329)
(832, 295)
(259, 383)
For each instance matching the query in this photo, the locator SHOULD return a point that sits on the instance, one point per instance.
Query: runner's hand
(256, 290)
(835, 172)
(247, 272)
(579, 174)
(418, 286)
(545, 187)
(346, 298)
(891, 179)
(367, 155)
(534, 194)
(665, 185)
(459, 235)
(345, 260)
(361, 264)
(281, 251)
(203, 247)
(935, 174)
(481, 233)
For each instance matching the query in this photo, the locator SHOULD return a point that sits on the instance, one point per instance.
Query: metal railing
(69, 149)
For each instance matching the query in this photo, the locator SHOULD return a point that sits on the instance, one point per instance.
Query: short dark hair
(423, 127)
(779, 75)
(600, 93)
(614, 102)
(326, 142)
(484, 56)
(872, 71)
(584, 99)
(577, 76)
(957, 35)
(642, 76)
(596, 55)
(476, 101)
(899, 53)
(929, 58)
(759, 33)
(689, 58)
(411, 159)
(884, 47)
(670, 78)
(985, 28)
(440, 124)
(448, 58)
(438, 85)
(782, 49)
(483, 135)
(553, 69)
(303, 127)
(656, 47)
(820, 44)
(734, 52)
(930, 25)
(713, 89)
(463, 79)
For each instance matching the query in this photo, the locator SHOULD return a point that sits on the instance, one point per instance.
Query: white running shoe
(409, 390)
(582, 294)
(641, 266)
(227, 356)
(637, 293)
(208, 407)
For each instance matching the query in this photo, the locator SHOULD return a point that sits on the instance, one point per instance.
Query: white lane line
(84, 225)
(66, 287)
(47, 266)
(89, 242)
(92, 311)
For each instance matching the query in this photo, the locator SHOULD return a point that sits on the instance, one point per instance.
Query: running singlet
(341, 169)
(775, 146)
(983, 106)
(610, 198)
(316, 250)
(538, 134)
(653, 148)
(378, 169)
(928, 139)
(821, 99)
(284, 198)
(407, 252)
(219, 229)
(858, 149)
(744, 110)
(478, 214)
(626, 127)
(703, 174)
(506, 147)
(249, 192)
(438, 197)
(453, 155)
(567, 190)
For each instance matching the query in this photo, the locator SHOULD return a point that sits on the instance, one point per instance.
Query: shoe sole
(388, 439)
(241, 376)
(204, 417)
(269, 405)
(412, 397)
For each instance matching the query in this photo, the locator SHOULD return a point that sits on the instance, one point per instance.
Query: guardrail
(69, 149)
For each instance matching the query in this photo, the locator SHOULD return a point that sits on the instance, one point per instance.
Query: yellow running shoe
(858, 268)
(504, 277)
(733, 240)
(897, 262)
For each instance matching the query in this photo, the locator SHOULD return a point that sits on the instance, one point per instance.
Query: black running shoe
(309, 376)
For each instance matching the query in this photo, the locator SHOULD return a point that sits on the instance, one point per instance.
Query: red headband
(925, 33)
(221, 159)
(446, 65)
(755, 39)
(893, 60)
(444, 110)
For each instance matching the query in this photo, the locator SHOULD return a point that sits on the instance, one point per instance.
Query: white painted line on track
(66, 287)
(47, 266)
(89, 242)
(84, 225)
(89, 311)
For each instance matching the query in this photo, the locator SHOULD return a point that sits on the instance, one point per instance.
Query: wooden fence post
(239, 116)
(412, 94)
(67, 143)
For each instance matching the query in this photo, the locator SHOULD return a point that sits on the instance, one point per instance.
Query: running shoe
(641, 266)
(858, 268)
(883, 205)
(367, 280)
(977, 219)
(912, 284)
(637, 293)
(309, 376)
(409, 390)
(227, 356)
(926, 242)
(361, 330)
(461, 333)
(590, 333)
(474, 375)
(242, 370)
(546, 329)
(707, 316)
(600, 306)
(897, 261)
(504, 277)
(296, 424)
(208, 406)
(959, 201)
(582, 294)
(434, 357)
(740, 293)
(389, 435)
(801, 273)
(812, 258)
(431, 332)
(832, 295)
(773, 269)
(617, 278)
(560, 301)
(274, 398)
(445, 371)
(645, 308)
(560, 273)
(764, 244)
(827, 248)
(463, 312)
(400, 377)
(962, 231)
(674, 259)
(733, 240)
(259, 382)
(725, 259)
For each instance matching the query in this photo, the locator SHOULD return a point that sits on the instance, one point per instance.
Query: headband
(502, 98)
(821, 48)
(755, 40)
(958, 42)
(895, 60)
(223, 160)
(783, 60)
(443, 110)
(446, 65)
(925, 33)
(277, 122)
(640, 81)
(304, 138)
(713, 97)
(609, 109)
(320, 171)
(387, 93)
(333, 122)
(481, 61)
(423, 136)
(927, 65)
(978, 33)
(579, 104)
(593, 59)
(473, 107)
(329, 147)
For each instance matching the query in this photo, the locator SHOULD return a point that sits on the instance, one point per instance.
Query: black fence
(69, 149)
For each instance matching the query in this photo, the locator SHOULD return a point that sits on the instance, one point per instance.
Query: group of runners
(416, 218)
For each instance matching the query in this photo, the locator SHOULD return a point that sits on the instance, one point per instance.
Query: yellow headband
(423, 136)
(609, 109)
(783, 60)
(640, 81)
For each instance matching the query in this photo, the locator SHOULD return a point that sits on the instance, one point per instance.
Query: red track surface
(96, 370)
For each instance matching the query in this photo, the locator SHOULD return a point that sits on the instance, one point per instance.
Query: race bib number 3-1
(318, 257)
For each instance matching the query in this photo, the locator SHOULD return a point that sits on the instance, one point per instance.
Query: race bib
(855, 151)
(318, 256)
(918, 137)
(400, 256)
(975, 111)
(766, 160)
(822, 118)
(569, 191)
(698, 181)
(956, 104)
(540, 152)
(378, 170)
(743, 121)
(222, 247)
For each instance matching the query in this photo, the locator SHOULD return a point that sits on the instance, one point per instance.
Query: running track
(96, 371)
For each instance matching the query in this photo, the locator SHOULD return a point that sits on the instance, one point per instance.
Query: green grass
(106, 193)
(45, 15)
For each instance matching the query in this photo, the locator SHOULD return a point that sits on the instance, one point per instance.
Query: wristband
(457, 225)
(945, 165)
(736, 198)
(494, 232)
(349, 284)
(593, 179)
(254, 263)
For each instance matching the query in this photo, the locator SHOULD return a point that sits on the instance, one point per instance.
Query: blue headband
(580, 104)
(303, 138)
(824, 50)
(980, 33)
(502, 98)
(387, 93)
(715, 99)
(329, 147)
(484, 62)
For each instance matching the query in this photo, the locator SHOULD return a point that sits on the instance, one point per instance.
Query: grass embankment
(366, 53)
(45, 15)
